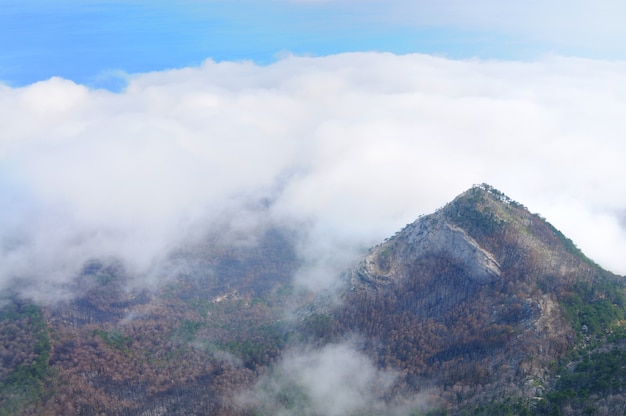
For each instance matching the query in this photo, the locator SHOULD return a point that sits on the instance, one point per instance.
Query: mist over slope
(480, 307)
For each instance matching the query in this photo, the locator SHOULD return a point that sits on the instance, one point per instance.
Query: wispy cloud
(322, 381)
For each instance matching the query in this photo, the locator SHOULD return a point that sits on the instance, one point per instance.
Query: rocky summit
(429, 236)
(481, 308)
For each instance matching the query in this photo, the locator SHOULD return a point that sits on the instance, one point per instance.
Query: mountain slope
(477, 303)
(182, 347)
(479, 308)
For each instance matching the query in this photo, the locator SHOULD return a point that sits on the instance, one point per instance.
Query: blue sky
(95, 42)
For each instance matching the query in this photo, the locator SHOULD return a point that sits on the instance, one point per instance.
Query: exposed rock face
(428, 236)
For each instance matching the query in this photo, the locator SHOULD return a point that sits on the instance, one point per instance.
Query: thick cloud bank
(353, 145)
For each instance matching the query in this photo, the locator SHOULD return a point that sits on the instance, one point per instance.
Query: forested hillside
(487, 306)
(479, 308)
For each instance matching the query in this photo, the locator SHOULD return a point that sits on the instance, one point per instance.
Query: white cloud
(355, 144)
(322, 381)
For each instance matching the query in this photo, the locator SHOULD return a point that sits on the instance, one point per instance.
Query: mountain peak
(480, 231)
(449, 232)
(483, 293)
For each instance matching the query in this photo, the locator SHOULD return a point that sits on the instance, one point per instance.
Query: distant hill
(480, 308)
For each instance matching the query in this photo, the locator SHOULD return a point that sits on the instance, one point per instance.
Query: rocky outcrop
(428, 236)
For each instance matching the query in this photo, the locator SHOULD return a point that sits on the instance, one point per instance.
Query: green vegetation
(511, 407)
(432, 412)
(318, 326)
(102, 274)
(596, 311)
(187, 330)
(203, 306)
(259, 348)
(471, 214)
(597, 308)
(115, 340)
(15, 311)
(24, 383)
(249, 351)
(598, 374)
